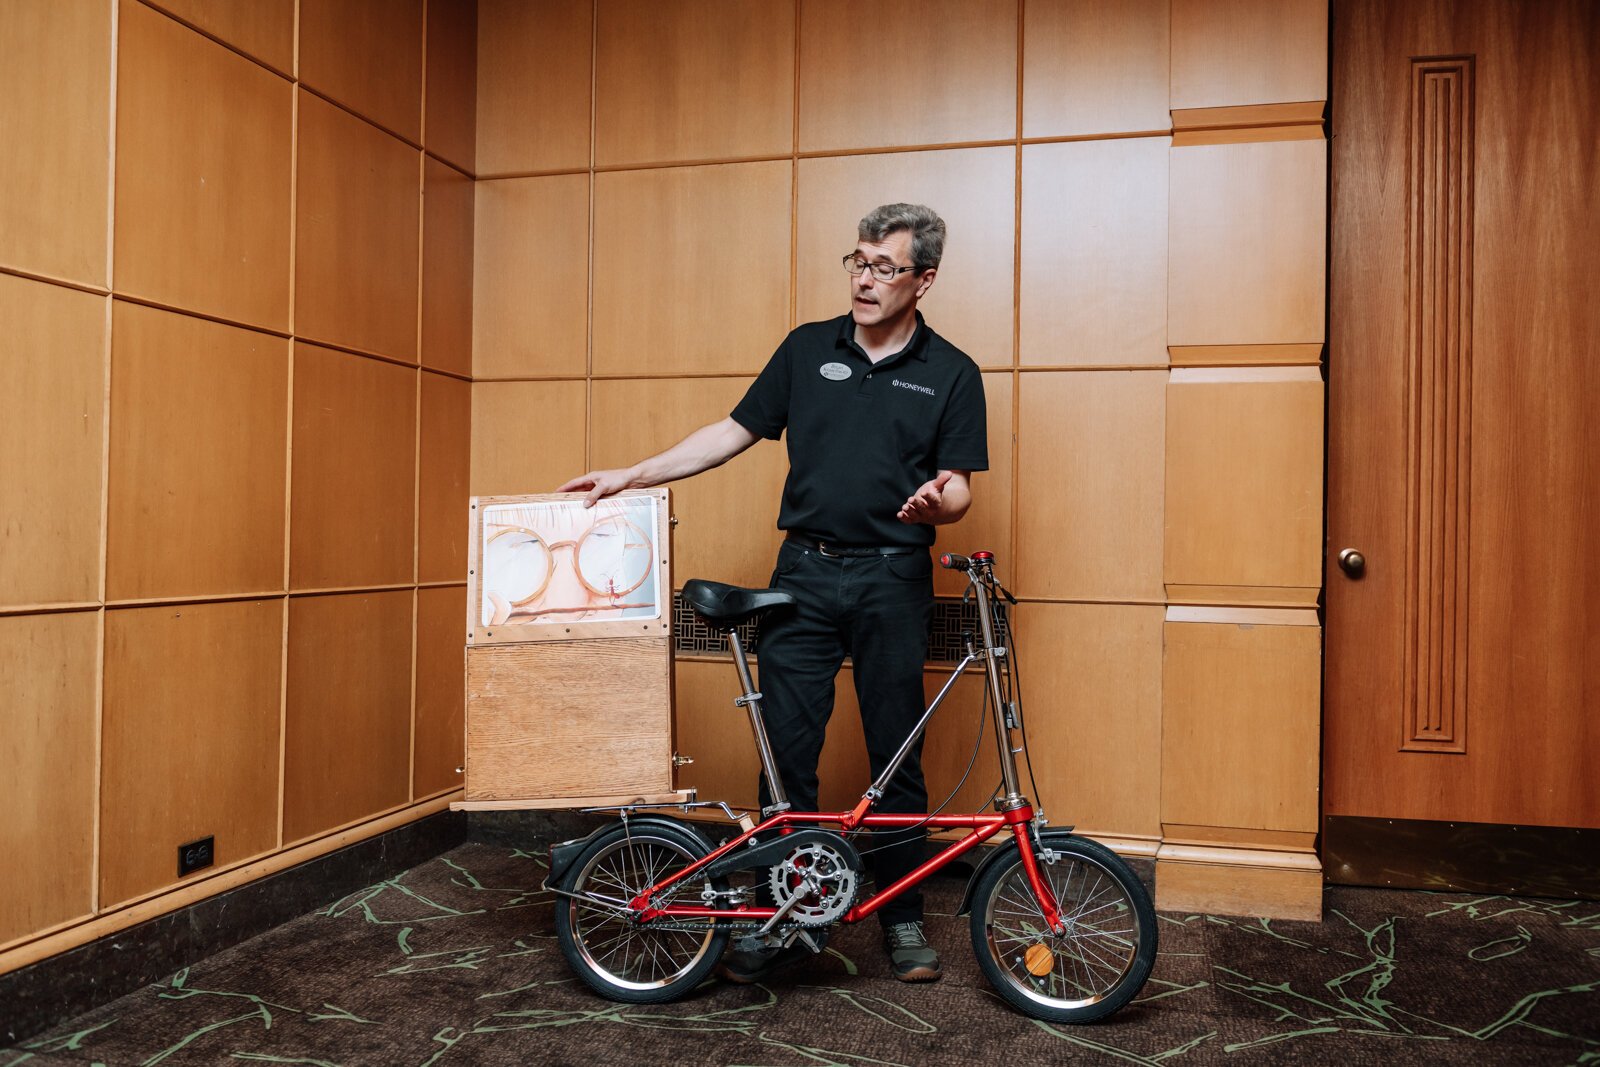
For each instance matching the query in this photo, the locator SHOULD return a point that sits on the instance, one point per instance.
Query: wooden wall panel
(352, 504)
(1090, 457)
(671, 248)
(451, 124)
(55, 77)
(1227, 53)
(47, 718)
(444, 457)
(447, 243)
(973, 190)
(1091, 677)
(1244, 481)
(441, 689)
(203, 169)
(184, 392)
(952, 735)
(988, 524)
(1094, 252)
(1249, 236)
(358, 198)
(349, 690)
(191, 752)
(527, 437)
(367, 55)
(1095, 67)
(263, 29)
(727, 518)
(952, 69)
(52, 419)
(667, 70)
(1239, 744)
(531, 277)
(535, 81)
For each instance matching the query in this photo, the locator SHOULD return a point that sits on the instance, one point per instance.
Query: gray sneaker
(911, 958)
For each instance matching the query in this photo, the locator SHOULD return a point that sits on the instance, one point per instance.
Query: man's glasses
(884, 272)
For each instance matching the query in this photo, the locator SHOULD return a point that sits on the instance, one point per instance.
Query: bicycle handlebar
(954, 562)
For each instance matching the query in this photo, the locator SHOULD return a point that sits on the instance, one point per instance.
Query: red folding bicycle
(1061, 926)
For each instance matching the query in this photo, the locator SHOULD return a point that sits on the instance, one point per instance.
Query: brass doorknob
(1353, 563)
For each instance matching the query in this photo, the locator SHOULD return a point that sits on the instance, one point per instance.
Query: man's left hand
(937, 501)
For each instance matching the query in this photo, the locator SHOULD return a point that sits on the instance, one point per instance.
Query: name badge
(835, 372)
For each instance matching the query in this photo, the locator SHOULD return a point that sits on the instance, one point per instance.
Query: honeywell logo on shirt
(918, 388)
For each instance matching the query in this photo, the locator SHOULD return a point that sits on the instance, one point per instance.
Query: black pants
(874, 609)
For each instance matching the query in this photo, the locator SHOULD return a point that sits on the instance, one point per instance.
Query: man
(885, 424)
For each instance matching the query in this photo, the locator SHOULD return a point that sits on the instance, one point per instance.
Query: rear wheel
(620, 958)
(1093, 967)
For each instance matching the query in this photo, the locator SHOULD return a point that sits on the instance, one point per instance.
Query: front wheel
(620, 958)
(1090, 969)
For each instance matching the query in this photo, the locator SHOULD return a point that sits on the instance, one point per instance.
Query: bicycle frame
(1014, 810)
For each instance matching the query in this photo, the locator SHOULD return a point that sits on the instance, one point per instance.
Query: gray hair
(927, 231)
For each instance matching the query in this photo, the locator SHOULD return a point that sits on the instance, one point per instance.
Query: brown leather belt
(829, 549)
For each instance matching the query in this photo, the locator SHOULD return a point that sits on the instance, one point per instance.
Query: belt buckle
(822, 550)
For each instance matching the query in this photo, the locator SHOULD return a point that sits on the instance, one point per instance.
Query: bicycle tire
(1102, 959)
(616, 956)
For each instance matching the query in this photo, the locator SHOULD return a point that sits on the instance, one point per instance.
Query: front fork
(1049, 907)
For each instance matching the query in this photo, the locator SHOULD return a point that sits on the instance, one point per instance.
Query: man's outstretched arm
(710, 446)
(939, 501)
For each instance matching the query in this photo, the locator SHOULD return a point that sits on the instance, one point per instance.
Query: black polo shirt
(863, 437)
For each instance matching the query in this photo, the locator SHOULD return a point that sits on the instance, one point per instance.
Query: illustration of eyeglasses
(610, 559)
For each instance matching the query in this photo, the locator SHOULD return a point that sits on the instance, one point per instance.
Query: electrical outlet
(196, 855)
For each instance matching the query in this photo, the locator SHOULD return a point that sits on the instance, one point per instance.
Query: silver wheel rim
(1088, 960)
(614, 946)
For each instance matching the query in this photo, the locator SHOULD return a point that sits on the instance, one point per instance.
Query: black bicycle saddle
(726, 606)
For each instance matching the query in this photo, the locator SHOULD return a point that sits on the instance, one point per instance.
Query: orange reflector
(1039, 960)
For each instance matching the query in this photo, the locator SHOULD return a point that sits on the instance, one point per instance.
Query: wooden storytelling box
(569, 651)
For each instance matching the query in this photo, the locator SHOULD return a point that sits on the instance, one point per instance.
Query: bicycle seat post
(750, 700)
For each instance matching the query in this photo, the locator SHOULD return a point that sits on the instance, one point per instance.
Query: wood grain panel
(727, 517)
(1094, 252)
(440, 738)
(527, 437)
(447, 243)
(203, 168)
(1302, 121)
(199, 428)
(1240, 725)
(988, 524)
(188, 753)
(349, 691)
(1090, 454)
(952, 737)
(47, 717)
(263, 29)
(1438, 404)
(352, 513)
(1091, 677)
(666, 70)
(535, 84)
(1248, 239)
(530, 279)
(55, 77)
(445, 455)
(451, 122)
(52, 418)
(973, 190)
(949, 77)
(538, 725)
(1227, 52)
(1244, 478)
(1094, 66)
(671, 247)
(358, 198)
(366, 54)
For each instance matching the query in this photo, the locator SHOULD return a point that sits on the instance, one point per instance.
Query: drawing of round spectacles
(611, 559)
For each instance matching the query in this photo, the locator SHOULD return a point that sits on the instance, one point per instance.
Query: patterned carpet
(455, 963)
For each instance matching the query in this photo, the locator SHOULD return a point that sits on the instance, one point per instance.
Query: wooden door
(1463, 667)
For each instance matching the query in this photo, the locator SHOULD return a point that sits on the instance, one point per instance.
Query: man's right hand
(599, 484)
